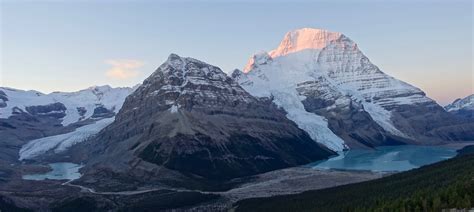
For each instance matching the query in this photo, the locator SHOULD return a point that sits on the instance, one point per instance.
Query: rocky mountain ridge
(191, 118)
(462, 107)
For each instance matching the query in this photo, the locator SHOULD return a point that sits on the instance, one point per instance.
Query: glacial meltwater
(60, 171)
(387, 158)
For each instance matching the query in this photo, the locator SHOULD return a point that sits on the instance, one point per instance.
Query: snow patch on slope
(382, 118)
(174, 109)
(60, 143)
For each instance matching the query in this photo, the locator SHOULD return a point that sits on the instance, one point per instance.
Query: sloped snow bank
(316, 126)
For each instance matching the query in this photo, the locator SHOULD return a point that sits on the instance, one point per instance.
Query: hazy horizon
(68, 46)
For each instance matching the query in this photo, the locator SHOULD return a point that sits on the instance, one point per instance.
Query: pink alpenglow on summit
(306, 38)
(298, 40)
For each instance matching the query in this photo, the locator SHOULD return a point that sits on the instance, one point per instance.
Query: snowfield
(89, 99)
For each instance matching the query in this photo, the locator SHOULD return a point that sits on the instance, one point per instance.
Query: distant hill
(462, 107)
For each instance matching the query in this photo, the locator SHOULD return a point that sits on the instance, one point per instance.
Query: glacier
(60, 143)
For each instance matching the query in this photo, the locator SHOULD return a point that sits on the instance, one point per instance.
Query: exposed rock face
(190, 117)
(82, 112)
(23, 127)
(102, 112)
(54, 110)
(3, 99)
(346, 117)
(333, 79)
(463, 108)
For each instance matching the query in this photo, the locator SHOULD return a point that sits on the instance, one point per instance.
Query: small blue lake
(387, 158)
(60, 171)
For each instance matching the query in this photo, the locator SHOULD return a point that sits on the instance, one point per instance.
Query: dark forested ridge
(466, 150)
(447, 184)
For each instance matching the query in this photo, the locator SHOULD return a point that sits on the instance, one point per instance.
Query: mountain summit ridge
(304, 38)
(295, 41)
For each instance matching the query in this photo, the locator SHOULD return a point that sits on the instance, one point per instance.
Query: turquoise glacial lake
(381, 159)
(387, 158)
(60, 171)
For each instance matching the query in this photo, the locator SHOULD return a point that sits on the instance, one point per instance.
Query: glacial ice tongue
(62, 142)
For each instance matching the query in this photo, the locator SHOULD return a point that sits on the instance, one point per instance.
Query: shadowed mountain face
(325, 74)
(190, 117)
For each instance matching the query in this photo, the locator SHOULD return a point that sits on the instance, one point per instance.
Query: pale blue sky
(70, 45)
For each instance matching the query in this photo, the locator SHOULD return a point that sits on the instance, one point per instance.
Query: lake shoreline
(58, 171)
(388, 159)
(458, 145)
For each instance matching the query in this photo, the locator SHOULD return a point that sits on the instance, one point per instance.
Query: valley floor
(33, 194)
(288, 181)
(63, 195)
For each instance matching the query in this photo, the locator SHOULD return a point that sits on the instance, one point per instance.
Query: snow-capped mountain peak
(305, 38)
(260, 58)
(330, 66)
(175, 61)
(462, 107)
(184, 75)
(466, 103)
